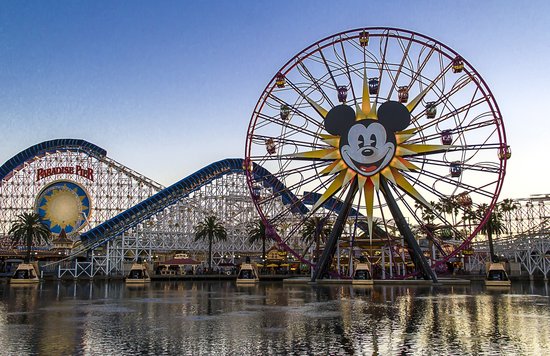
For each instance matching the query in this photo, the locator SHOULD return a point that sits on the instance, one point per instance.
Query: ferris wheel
(373, 130)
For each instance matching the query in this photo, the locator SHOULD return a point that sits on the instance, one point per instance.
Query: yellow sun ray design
(370, 184)
(63, 207)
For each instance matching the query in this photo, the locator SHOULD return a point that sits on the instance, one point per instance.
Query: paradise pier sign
(87, 173)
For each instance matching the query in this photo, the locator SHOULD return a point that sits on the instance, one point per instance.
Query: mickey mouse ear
(339, 119)
(394, 116)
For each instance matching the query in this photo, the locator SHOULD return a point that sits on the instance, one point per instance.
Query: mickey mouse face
(367, 146)
(368, 149)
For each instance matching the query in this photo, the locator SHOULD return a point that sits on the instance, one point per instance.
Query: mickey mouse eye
(361, 140)
(373, 140)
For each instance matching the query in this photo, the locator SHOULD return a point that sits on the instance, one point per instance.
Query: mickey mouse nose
(367, 152)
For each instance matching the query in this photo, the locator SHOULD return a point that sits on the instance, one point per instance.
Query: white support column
(383, 263)
(391, 263)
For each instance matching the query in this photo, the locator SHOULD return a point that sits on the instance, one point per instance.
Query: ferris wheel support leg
(418, 258)
(321, 268)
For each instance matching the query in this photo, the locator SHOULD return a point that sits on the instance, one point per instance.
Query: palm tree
(213, 230)
(506, 206)
(315, 230)
(449, 206)
(494, 225)
(28, 230)
(257, 232)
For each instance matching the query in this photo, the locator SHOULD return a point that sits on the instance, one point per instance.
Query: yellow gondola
(138, 274)
(248, 274)
(362, 275)
(497, 276)
(25, 273)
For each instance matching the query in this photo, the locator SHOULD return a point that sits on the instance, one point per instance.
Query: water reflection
(272, 318)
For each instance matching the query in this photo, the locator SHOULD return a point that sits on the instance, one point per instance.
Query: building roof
(62, 239)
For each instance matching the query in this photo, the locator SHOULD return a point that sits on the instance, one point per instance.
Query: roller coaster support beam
(419, 260)
(322, 267)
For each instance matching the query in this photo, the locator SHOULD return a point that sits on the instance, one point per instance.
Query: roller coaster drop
(129, 214)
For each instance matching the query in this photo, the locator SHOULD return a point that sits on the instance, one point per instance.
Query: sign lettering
(87, 173)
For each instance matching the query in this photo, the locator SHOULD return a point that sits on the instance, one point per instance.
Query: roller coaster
(135, 217)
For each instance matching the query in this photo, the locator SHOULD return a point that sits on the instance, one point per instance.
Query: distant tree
(494, 225)
(257, 232)
(212, 230)
(506, 206)
(315, 230)
(29, 230)
(426, 213)
(449, 206)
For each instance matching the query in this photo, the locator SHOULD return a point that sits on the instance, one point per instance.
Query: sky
(168, 87)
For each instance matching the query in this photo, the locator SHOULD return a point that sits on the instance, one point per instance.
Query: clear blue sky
(167, 87)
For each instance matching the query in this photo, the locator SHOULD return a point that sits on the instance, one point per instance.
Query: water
(219, 318)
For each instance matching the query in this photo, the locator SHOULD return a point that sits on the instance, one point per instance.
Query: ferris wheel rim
(386, 32)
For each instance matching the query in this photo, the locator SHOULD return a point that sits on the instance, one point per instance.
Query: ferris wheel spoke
(459, 129)
(316, 83)
(299, 170)
(480, 167)
(288, 140)
(450, 115)
(454, 183)
(446, 224)
(476, 125)
(293, 187)
(400, 67)
(422, 65)
(416, 151)
(267, 121)
(382, 63)
(327, 67)
(318, 108)
(348, 73)
(296, 111)
(302, 130)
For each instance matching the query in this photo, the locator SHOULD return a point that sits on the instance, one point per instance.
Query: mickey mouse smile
(367, 169)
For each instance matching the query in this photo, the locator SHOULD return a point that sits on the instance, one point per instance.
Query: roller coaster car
(25, 274)
(497, 276)
(362, 275)
(138, 274)
(248, 274)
